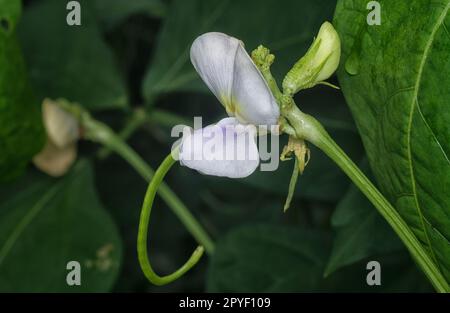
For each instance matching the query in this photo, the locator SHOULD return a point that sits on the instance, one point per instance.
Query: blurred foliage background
(134, 54)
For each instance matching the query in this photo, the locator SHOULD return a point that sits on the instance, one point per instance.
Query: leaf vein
(446, 29)
(416, 91)
(27, 219)
(432, 132)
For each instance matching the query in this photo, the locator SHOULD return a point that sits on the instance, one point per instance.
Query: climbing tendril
(143, 231)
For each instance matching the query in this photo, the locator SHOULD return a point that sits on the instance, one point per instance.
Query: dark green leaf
(9, 16)
(45, 223)
(71, 62)
(113, 12)
(267, 259)
(287, 28)
(262, 258)
(21, 131)
(399, 91)
(361, 232)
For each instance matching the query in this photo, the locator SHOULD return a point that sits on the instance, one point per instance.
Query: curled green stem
(143, 231)
(101, 133)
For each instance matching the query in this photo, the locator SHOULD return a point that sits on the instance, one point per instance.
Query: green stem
(309, 128)
(303, 126)
(143, 230)
(167, 119)
(101, 133)
(138, 117)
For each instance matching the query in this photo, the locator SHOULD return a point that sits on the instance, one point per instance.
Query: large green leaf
(396, 79)
(286, 28)
(45, 223)
(21, 131)
(72, 62)
(263, 258)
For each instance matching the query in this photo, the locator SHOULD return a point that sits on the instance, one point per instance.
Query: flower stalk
(308, 128)
(305, 127)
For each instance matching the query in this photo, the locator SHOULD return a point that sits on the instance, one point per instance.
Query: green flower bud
(318, 64)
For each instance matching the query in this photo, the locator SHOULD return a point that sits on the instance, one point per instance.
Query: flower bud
(318, 64)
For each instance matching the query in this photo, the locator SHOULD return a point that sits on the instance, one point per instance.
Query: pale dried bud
(62, 128)
(55, 161)
(60, 150)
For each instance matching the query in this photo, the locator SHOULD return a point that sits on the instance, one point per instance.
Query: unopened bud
(318, 64)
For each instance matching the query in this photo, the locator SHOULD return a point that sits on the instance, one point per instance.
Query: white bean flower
(229, 148)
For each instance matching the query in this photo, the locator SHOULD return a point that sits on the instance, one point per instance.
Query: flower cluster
(229, 72)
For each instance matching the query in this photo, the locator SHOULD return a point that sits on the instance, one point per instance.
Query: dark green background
(130, 54)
